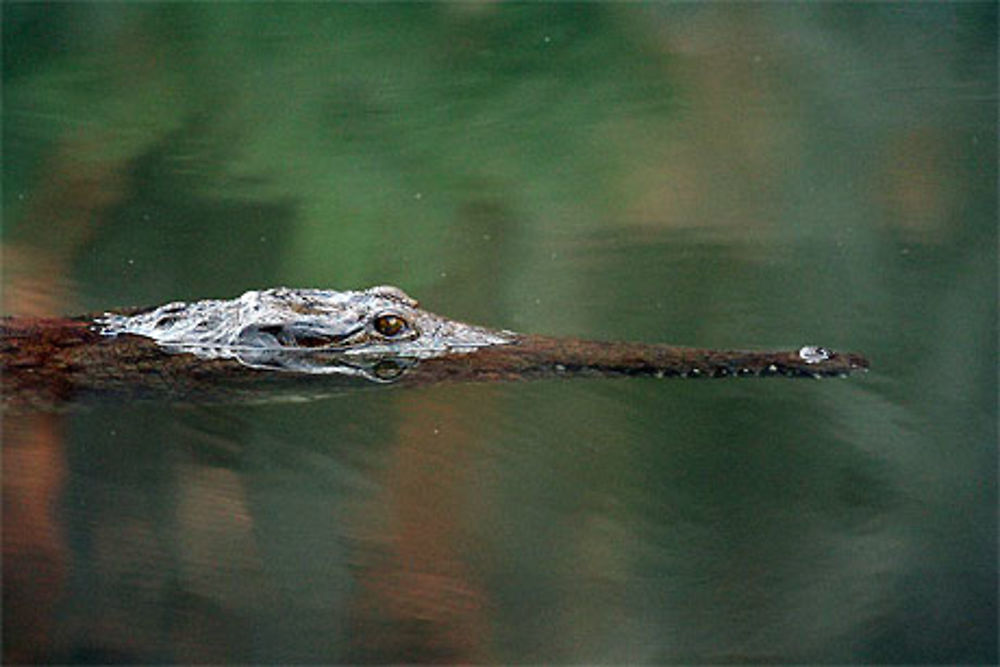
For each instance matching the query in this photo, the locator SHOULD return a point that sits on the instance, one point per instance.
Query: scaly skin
(306, 330)
(320, 341)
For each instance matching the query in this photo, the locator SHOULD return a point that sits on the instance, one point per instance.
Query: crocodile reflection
(377, 333)
(383, 369)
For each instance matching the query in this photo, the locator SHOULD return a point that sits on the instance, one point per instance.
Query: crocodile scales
(228, 350)
(308, 330)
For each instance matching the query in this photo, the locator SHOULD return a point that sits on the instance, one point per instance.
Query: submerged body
(223, 349)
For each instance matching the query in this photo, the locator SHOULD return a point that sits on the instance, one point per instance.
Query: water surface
(725, 176)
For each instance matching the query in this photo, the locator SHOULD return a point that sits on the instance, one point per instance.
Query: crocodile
(308, 338)
(308, 330)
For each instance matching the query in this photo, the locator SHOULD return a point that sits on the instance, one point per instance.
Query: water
(723, 176)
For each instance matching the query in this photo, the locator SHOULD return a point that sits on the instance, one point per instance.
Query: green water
(721, 176)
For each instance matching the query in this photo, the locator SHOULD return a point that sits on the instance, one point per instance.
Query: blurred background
(720, 175)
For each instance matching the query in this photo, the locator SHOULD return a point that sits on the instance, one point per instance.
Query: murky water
(725, 176)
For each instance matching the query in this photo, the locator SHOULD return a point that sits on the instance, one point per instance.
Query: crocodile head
(376, 333)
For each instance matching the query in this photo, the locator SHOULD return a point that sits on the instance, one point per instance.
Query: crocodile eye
(390, 325)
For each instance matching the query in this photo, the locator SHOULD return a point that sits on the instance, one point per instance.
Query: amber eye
(390, 325)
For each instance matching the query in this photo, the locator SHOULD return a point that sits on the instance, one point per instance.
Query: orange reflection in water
(73, 193)
(34, 552)
(420, 601)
